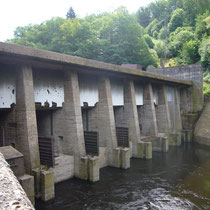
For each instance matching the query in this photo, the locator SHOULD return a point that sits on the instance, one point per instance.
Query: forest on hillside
(164, 33)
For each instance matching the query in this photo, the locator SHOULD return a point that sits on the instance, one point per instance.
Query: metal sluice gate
(91, 142)
(122, 136)
(46, 150)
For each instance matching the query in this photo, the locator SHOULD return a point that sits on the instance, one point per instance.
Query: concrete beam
(30, 54)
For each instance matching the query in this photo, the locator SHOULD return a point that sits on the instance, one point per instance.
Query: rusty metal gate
(46, 150)
(122, 136)
(91, 142)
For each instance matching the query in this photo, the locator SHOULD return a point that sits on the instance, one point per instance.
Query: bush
(177, 20)
(155, 34)
(163, 33)
(206, 89)
(204, 52)
(149, 41)
(189, 53)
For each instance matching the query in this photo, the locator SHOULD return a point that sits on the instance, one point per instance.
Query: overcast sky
(14, 13)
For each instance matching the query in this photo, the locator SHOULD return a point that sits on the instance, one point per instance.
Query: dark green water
(179, 179)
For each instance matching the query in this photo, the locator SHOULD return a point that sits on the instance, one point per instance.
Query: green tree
(150, 26)
(201, 25)
(163, 33)
(149, 41)
(113, 37)
(204, 52)
(178, 38)
(70, 14)
(189, 53)
(176, 20)
(144, 16)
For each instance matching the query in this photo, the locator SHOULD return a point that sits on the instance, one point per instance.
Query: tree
(176, 20)
(204, 52)
(149, 41)
(70, 14)
(178, 38)
(189, 53)
(202, 26)
(163, 33)
(144, 16)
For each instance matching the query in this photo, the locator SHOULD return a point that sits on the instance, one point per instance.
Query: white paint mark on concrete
(7, 89)
(49, 87)
(88, 87)
(139, 94)
(155, 95)
(170, 94)
(117, 93)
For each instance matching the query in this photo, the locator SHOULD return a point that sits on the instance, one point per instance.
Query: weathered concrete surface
(27, 141)
(106, 123)
(15, 159)
(148, 119)
(52, 58)
(145, 150)
(47, 185)
(27, 183)
(74, 143)
(93, 167)
(131, 115)
(12, 195)
(64, 168)
(191, 72)
(202, 128)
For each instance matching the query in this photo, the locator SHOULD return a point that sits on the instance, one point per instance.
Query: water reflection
(179, 179)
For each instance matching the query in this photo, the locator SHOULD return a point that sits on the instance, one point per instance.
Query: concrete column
(162, 112)
(73, 134)
(131, 116)
(27, 142)
(148, 117)
(106, 123)
(178, 123)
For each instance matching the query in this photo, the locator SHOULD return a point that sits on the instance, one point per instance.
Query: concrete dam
(65, 116)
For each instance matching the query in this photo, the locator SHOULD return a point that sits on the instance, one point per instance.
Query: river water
(179, 179)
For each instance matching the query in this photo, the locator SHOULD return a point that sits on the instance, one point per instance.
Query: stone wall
(190, 72)
(12, 195)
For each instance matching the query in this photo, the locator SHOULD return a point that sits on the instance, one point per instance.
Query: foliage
(201, 25)
(160, 48)
(144, 16)
(113, 37)
(149, 41)
(178, 38)
(70, 14)
(163, 34)
(189, 53)
(155, 34)
(176, 20)
(175, 29)
(204, 52)
(206, 89)
(206, 77)
(150, 26)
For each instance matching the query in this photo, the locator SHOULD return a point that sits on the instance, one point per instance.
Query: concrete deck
(12, 51)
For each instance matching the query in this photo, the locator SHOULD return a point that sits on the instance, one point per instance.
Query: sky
(14, 13)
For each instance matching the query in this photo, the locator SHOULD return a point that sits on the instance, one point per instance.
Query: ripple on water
(179, 179)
